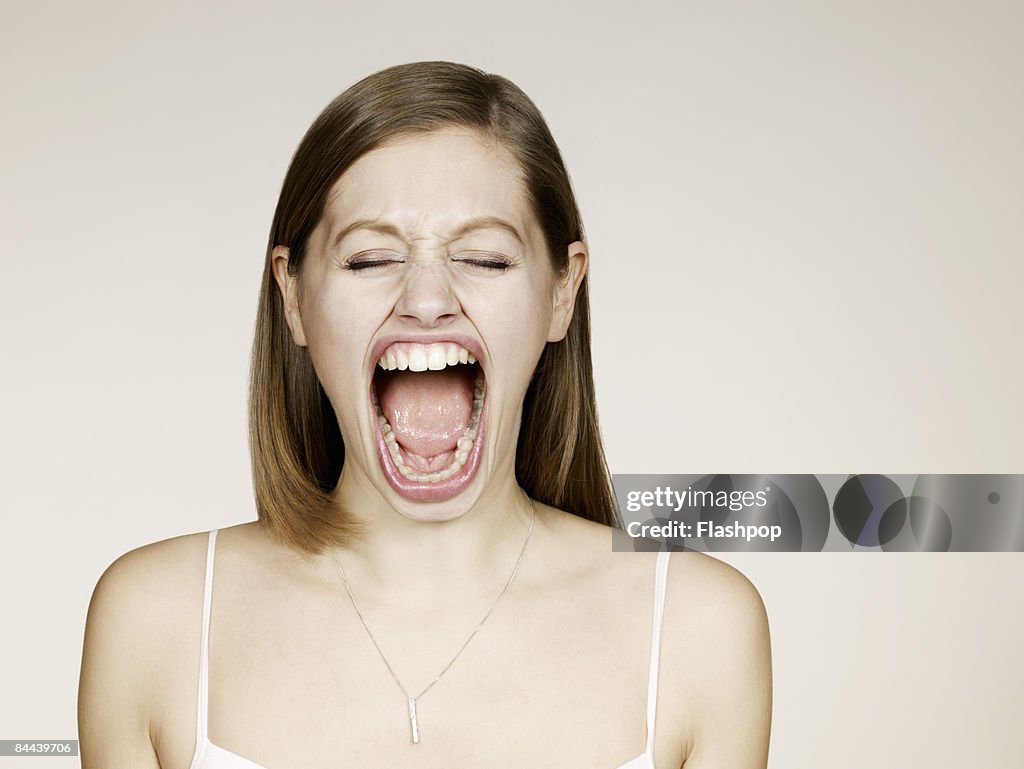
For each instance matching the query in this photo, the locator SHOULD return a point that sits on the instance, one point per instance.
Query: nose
(427, 298)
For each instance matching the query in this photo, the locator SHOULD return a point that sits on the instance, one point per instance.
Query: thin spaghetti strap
(204, 649)
(660, 580)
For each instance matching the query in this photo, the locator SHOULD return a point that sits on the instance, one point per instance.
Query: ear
(565, 290)
(289, 285)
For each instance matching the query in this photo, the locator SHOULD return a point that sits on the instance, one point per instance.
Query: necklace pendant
(413, 722)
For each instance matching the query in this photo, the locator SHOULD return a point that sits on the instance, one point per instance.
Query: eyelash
(366, 264)
(497, 265)
(355, 265)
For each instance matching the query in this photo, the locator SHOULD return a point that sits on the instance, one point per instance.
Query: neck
(409, 558)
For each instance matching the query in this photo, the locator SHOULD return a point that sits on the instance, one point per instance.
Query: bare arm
(734, 691)
(117, 671)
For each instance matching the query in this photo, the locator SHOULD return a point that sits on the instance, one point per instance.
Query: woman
(430, 581)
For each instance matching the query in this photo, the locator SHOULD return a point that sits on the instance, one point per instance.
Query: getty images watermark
(668, 498)
(936, 513)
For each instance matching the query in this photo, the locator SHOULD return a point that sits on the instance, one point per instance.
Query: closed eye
(371, 260)
(492, 262)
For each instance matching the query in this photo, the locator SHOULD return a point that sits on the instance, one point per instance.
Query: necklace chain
(412, 700)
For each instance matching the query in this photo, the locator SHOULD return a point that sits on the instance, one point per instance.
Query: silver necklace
(413, 718)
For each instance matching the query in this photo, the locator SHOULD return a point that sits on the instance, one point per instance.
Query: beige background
(806, 224)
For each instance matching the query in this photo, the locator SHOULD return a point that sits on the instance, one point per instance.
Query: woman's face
(426, 299)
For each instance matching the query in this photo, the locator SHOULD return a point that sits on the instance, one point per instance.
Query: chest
(548, 680)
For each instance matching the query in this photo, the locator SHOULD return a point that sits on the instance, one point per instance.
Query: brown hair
(297, 448)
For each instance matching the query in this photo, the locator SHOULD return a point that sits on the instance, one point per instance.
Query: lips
(428, 405)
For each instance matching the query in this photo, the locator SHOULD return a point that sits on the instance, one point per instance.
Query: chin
(428, 407)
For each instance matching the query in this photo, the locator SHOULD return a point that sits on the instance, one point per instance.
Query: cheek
(515, 309)
(539, 307)
(519, 321)
(337, 334)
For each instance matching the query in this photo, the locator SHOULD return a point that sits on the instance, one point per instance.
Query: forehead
(430, 184)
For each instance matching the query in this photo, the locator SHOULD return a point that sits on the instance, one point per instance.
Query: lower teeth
(463, 447)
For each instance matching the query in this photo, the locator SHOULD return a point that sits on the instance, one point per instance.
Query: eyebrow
(387, 228)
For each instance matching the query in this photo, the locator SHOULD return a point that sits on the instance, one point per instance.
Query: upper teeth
(421, 357)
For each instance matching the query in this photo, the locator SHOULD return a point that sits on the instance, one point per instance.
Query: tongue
(427, 410)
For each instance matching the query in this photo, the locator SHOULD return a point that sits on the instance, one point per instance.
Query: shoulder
(142, 624)
(151, 598)
(717, 641)
(714, 591)
(141, 589)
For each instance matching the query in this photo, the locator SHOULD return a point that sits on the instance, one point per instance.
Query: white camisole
(210, 756)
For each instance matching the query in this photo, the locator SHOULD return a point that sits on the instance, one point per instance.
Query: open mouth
(429, 404)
